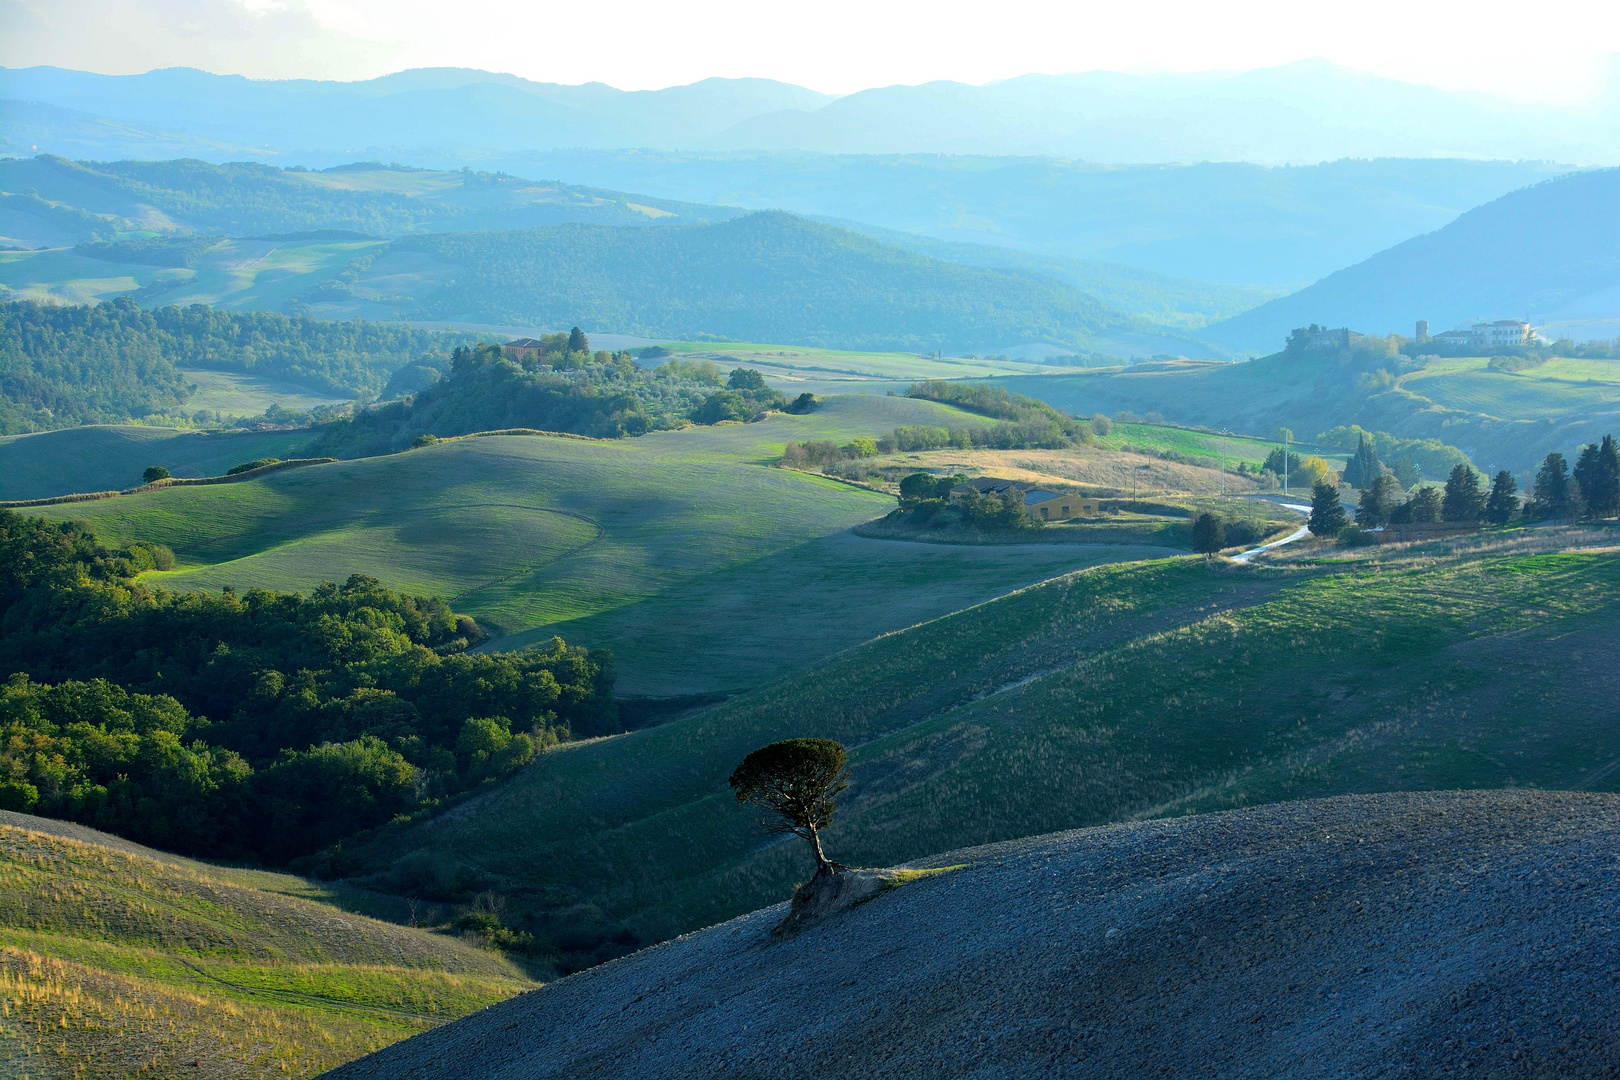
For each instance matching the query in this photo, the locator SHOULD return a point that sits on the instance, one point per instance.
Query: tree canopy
(797, 781)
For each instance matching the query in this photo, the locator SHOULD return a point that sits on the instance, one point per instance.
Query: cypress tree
(1597, 473)
(1463, 501)
(1377, 500)
(1362, 469)
(577, 341)
(1503, 501)
(1553, 499)
(1327, 516)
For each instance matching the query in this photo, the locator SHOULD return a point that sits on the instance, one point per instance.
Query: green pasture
(1116, 693)
(834, 366)
(699, 564)
(120, 962)
(111, 458)
(235, 393)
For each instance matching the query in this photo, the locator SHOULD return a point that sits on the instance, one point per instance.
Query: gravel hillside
(1411, 935)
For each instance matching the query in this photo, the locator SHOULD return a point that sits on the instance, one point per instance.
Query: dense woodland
(566, 388)
(259, 727)
(61, 366)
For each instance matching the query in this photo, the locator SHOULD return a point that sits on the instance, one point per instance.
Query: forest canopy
(259, 727)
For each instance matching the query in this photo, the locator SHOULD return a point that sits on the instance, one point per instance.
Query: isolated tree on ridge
(577, 341)
(797, 780)
(1463, 500)
(154, 473)
(1327, 515)
(1503, 501)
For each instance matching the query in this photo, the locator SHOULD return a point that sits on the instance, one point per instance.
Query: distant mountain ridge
(1549, 253)
(1302, 112)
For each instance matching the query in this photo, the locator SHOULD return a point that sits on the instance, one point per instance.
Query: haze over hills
(1549, 254)
(1301, 112)
(1226, 222)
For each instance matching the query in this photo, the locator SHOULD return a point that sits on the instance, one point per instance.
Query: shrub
(248, 466)
(154, 473)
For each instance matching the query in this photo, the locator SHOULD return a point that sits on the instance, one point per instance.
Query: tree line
(1591, 489)
(258, 727)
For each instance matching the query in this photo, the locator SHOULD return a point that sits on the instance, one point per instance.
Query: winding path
(1297, 534)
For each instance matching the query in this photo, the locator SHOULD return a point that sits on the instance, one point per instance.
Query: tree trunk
(823, 864)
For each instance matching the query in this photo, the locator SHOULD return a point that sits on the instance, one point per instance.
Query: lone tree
(577, 341)
(1209, 535)
(154, 473)
(1327, 515)
(797, 780)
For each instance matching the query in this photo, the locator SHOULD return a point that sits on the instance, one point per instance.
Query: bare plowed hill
(1420, 935)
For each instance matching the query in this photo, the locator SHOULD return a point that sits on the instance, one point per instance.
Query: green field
(838, 371)
(1499, 420)
(96, 458)
(118, 961)
(234, 393)
(701, 566)
(1121, 692)
(241, 274)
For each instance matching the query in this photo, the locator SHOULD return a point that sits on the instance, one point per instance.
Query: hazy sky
(1549, 50)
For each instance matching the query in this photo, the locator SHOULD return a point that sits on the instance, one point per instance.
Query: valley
(615, 569)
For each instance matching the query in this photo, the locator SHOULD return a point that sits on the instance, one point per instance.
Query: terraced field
(1117, 693)
(120, 961)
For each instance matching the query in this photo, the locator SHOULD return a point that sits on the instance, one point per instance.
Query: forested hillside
(261, 727)
(568, 390)
(61, 366)
(766, 277)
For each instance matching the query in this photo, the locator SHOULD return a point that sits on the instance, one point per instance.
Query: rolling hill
(1302, 112)
(765, 277)
(1373, 936)
(1500, 419)
(1548, 253)
(702, 569)
(246, 199)
(1123, 692)
(116, 960)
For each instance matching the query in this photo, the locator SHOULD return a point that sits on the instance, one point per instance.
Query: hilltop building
(1503, 333)
(1037, 502)
(524, 348)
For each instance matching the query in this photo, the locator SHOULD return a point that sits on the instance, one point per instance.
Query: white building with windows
(1503, 333)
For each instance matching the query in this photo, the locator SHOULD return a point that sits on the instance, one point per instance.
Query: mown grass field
(1120, 692)
(116, 961)
(836, 370)
(238, 394)
(701, 566)
(112, 458)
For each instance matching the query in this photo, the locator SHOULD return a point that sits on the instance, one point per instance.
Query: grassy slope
(116, 961)
(649, 543)
(1503, 420)
(111, 458)
(1122, 692)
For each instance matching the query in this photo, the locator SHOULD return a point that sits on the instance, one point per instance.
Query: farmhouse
(1037, 502)
(524, 348)
(1487, 335)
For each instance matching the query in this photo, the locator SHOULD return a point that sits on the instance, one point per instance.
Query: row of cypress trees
(1591, 490)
